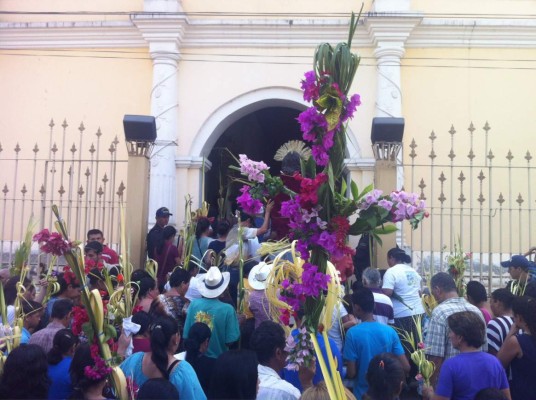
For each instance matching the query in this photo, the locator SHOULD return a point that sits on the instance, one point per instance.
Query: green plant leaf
(331, 180)
(344, 187)
(385, 229)
(355, 190)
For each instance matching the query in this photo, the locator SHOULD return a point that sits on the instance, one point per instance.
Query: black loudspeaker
(386, 129)
(139, 128)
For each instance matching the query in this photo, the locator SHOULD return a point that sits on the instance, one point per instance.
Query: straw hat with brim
(258, 275)
(214, 283)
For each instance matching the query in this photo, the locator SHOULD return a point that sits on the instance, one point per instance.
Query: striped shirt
(497, 330)
(383, 307)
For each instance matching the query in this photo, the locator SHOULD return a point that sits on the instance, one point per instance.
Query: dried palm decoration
(293, 146)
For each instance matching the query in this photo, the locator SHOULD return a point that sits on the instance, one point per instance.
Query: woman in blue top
(202, 238)
(59, 360)
(161, 363)
(463, 376)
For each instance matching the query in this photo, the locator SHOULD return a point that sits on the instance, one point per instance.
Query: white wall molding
(186, 162)
(359, 164)
(264, 33)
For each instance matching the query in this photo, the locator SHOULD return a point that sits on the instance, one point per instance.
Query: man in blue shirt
(220, 317)
(368, 339)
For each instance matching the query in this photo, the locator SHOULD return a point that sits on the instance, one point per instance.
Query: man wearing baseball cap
(154, 235)
(518, 267)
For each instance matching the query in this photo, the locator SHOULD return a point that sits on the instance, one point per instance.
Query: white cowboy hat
(258, 275)
(213, 283)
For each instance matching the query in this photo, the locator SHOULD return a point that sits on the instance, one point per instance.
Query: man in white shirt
(383, 306)
(249, 236)
(268, 341)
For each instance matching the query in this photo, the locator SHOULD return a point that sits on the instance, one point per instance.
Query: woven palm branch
(296, 146)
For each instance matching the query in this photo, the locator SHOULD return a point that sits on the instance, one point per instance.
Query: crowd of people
(187, 340)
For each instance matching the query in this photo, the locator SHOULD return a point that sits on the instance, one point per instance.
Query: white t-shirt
(250, 244)
(335, 331)
(406, 283)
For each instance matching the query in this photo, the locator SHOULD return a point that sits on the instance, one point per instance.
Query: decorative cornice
(268, 33)
(359, 164)
(186, 162)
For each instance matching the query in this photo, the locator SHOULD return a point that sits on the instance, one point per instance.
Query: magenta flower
(52, 243)
(320, 155)
(313, 282)
(310, 87)
(310, 120)
(247, 203)
(327, 139)
(355, 101)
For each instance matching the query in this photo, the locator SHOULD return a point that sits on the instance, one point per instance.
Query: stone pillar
(389, 29)
(190, 175)
(164, 33)
(136, 210)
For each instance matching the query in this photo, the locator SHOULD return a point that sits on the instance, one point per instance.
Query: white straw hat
(258, 275)
(214, 283)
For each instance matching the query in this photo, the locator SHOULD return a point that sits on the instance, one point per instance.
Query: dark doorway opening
(258, 135)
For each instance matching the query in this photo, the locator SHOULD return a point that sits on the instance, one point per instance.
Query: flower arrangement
(300, 350)
(319, 212)
(98, 331)
(457, 264)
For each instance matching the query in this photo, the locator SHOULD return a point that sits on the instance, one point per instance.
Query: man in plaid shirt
(438, 347)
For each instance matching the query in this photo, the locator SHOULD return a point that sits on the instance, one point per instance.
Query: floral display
(457, 264)
(92, 318)
(320, 212)
(300, 349)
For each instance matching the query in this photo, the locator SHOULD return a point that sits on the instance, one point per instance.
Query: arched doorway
(258, 135)
(272, 109)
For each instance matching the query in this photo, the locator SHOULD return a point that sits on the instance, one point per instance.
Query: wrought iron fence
(483, 198)
(78, 172)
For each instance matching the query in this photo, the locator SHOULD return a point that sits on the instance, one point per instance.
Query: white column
(389, 29)
(164, 33)
(164, 106)
(389, 92)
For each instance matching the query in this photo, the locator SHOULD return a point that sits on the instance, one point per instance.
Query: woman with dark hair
(140, 340)
(235, 376)
(25, 374)
(146, 291)
(87, 385)
(477, 296)
(166, 254)
(222, 230)
(202, 238)
(160, 362)
(69, 289)
(10, 294)
(59, 361)
(519, 350)
(173, 303)
(385, 377)
(463, 376)
(403, 284)
(196, 346)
